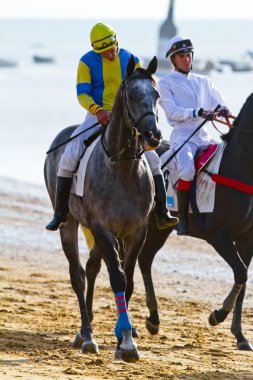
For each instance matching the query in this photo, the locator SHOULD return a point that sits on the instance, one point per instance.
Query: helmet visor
(180, 46)
(104, 43)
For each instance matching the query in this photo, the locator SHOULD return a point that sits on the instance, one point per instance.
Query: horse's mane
(227, 136)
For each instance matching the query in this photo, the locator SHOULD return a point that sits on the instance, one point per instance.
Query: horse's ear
(152, 67)
(131, 65)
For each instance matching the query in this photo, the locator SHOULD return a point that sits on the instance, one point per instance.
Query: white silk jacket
(181, 98)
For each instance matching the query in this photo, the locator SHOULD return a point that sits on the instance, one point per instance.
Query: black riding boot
(163, 217)
(183, 197)
(63, 187)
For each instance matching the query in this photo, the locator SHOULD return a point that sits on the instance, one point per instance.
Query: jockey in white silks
(100, 73)
(186, 98)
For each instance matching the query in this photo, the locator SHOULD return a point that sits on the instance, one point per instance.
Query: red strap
(183, 185)
(232, 183)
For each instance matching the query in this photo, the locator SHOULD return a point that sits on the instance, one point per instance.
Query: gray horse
(229, 229)
(118, 198)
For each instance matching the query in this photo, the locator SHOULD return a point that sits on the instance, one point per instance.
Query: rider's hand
(103, 117)
(206, 114)
(224, 112)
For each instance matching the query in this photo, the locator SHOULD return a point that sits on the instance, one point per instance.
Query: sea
(37, 100)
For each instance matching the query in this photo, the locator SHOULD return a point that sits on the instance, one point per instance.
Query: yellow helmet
(102, 37)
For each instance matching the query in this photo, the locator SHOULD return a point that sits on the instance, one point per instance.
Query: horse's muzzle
(150, 141)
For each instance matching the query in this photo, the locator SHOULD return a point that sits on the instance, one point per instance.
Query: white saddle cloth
(205, 187)
(78, 178)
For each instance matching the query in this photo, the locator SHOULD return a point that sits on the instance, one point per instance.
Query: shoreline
(39, 313)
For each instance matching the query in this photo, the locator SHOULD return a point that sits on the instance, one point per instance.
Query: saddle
(203, 188)
(204, 156)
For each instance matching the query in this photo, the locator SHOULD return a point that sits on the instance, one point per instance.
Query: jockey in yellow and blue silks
(99, 75)
(99, 79)
(100, 72)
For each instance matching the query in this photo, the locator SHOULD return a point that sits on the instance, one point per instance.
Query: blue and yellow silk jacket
(98, 79)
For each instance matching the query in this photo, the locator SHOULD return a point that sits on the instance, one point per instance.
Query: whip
(71, 138)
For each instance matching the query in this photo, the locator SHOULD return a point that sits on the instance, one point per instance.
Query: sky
(116, 9)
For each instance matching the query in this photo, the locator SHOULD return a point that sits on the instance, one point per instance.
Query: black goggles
(104, 42)
(184, 46)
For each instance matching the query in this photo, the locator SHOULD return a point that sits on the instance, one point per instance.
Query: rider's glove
(224, 112)
(206, 114)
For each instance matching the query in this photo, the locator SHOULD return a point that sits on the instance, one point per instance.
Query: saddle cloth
(205, 187)
(78, 178)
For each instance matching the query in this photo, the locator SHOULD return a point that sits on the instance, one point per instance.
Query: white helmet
(178, 44)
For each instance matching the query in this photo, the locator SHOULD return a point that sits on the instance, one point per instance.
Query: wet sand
(39, 314)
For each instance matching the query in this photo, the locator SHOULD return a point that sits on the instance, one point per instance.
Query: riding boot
(183, 197)
(63, 187)
(162, 214)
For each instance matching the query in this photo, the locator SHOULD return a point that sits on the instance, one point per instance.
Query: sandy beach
(39, 313)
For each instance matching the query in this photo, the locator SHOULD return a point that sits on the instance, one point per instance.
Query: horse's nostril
(148, 134)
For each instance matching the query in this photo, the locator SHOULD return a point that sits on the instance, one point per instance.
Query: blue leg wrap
(123, 322)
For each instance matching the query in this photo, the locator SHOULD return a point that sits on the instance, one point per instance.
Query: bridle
(133, 127)
(134, 124)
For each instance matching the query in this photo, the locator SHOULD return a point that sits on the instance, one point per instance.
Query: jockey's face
(110, 54)
(182, 62)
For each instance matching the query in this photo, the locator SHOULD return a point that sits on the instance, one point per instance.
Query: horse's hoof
(90, 346)
(117, 355)
(152, 329)
(78, 341)
(244, 346)
(212, 319)
(135, 333)
(130, 356)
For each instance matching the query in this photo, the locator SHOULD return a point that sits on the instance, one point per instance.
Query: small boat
(43, 59)
(250, 53)
(5, 63)
(199, 67)
(237, 66)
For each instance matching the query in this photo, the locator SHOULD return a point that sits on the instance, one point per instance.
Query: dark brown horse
(118, 198)
(229, 229)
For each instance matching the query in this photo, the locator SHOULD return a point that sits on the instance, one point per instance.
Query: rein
(227, 122)
(113, 159)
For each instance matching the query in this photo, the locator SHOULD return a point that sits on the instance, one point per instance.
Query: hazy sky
(104, 9)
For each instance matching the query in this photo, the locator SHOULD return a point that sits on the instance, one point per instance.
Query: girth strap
(230, 182)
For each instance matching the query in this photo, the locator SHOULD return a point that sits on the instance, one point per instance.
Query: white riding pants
(76, 147)
(185, 160)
